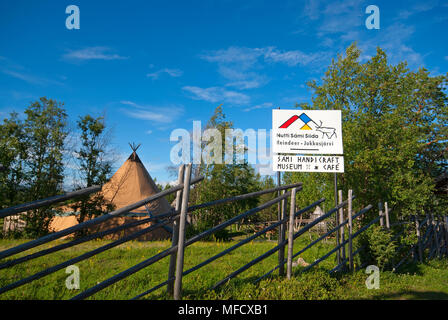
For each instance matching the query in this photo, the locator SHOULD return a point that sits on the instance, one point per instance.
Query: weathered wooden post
(380, 212)
(350, 230)
(386, 212)
(436, 238)
(446, 235)
(291, 233)
(175, 236)
(341, 229)
(336, 217)
(419, 241)
(281, 238)
(431, 230)
(181, 241)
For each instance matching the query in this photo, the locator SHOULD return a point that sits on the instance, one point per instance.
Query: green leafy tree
(170, 197)
(378, 248)
(12, 155)
(94, 167)
(222, 181)
(45, 129)
(395, 130)
(268, 214)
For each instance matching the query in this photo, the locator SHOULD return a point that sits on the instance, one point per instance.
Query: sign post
(309, 141)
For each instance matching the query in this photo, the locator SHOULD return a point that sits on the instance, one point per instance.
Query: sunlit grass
(423, 281)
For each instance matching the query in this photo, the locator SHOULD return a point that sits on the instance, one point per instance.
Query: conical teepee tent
(131, 183)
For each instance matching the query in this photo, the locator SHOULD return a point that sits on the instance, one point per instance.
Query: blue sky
(152, 67)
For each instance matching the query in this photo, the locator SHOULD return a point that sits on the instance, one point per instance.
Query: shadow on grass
(413, 295)
(234, 234)
(411, 268)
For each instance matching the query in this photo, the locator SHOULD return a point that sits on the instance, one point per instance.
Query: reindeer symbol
(326, 131)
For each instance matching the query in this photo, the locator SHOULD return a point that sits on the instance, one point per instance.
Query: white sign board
(307, 131)
(308, 163)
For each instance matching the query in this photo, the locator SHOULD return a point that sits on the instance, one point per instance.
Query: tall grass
(417, 281)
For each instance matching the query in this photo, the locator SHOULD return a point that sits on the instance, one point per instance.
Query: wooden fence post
(419, 240)
(341, 229)
(181, 241)
(380, 212)
(281, 238)
(431, 229)
(436, 237)
(446, 235)
(291, 233)
(386, 212)
(175, 236)
(350, 230)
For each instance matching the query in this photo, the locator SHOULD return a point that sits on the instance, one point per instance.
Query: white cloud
(92, 53)
(260, 106)
(292, 57)
(151, 113)
(22, 76)
(241, 66)
(234, 60)
(237, 65)
(417, 8)
(341, 18)
(30, 78)
(170, 72)
(217, 94)
(311, 9)
(244, 57)
(342, 22)
(247, 84)
(18, 71)
(394, 40)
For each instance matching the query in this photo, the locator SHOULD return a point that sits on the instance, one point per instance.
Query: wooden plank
(386, 211)
(281, 239)
(48, 201)
(291, 233)
(350, 230)
(380, 213)
(419, 240)
(446, 234)
(181, 241)
(341, 229)
(175, 235)
(436, 237)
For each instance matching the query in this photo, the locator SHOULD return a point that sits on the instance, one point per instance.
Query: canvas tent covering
(131, 183)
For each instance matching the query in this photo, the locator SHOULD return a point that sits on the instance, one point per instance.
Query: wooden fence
(432, 236)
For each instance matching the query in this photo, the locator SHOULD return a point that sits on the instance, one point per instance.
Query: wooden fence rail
(48, 201)
(433, 243)
(89, 223)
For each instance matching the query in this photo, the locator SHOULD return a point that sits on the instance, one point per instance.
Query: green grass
(422, 282)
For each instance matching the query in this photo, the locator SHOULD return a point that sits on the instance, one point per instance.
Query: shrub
(315, 285)
(378, 247)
